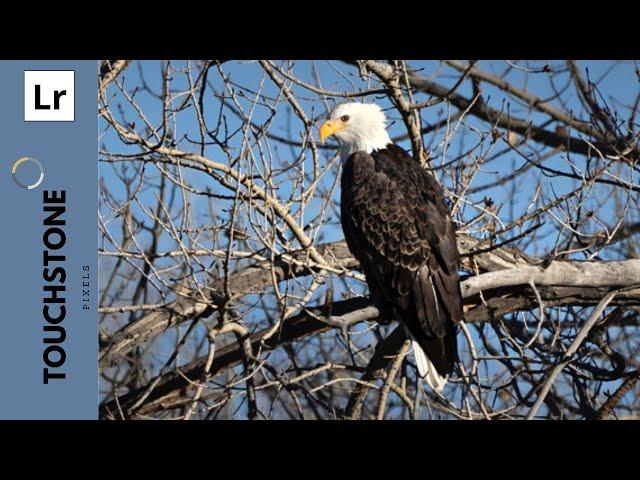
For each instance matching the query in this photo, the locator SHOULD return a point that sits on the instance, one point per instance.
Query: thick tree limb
(571, 274)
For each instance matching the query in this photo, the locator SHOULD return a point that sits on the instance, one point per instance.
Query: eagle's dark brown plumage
(397, 224)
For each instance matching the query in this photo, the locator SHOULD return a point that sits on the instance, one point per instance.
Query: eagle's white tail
(426, 368)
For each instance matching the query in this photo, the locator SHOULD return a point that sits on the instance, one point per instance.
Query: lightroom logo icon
(49, 96)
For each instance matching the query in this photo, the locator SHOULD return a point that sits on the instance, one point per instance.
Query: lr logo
(49, 95)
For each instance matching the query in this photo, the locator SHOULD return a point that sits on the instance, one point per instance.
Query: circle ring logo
(21, 161)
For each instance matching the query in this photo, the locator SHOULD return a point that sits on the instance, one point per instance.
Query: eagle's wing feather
(397, 224)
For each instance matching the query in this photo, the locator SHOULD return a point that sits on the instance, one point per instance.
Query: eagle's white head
(358, 127)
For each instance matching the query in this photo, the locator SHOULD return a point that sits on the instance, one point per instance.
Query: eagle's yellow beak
(329, 128)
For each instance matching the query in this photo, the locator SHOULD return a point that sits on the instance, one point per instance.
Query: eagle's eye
(344, 118)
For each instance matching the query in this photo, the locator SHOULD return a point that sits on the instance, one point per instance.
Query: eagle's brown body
(397, 224)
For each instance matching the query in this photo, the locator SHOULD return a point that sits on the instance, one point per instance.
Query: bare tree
(227, 290)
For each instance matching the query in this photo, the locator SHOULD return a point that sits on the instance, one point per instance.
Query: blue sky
(620, 86)
(621, 81)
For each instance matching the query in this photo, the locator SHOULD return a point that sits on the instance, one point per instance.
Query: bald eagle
(397, 224)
